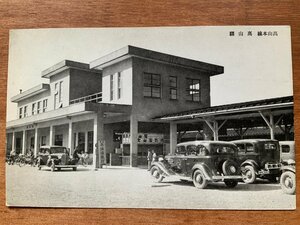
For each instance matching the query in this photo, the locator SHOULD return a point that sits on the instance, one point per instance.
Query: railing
(97, 97)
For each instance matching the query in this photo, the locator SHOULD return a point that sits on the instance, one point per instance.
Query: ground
(123, 187)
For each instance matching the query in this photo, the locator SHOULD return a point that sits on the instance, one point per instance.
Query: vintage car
(287, 152)
(259, 158)
(55, 157)
(200, 161)
(288, 179)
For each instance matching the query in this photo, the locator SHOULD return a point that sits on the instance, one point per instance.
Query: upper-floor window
(33, 108)
(173, 87)
(20, 112)
(119, 85)
(111, 87)
(45, 103)
(25, 111)
(193, 90)
(58, 95)
(152, 85)
(39, 107)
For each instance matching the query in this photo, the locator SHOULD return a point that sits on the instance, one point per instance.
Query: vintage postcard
(158, 117)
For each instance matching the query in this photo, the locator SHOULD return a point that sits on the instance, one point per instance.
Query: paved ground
(132, 188)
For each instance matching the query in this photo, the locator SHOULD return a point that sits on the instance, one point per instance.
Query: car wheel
(249, 175)
(74, 168)
(156, 174)
(230, 183)
(22, 163)
(199, 179)
(230, 167)
(288, 182)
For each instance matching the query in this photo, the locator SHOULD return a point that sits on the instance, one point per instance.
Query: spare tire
(230, 168)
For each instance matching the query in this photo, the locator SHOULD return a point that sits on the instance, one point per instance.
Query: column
(51, 135)
(24, 142)
(173, 137)
(35, 141)
(216, 129)
(133, 141)
(70, 136)
(98, 136)
(13, 144)
(86, 141)
(272, 126)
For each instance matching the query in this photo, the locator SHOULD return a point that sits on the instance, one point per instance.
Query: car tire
(199, 179)
(230, 183)
(156, 174)
(229, 168)
(288, 182)
(249, 175)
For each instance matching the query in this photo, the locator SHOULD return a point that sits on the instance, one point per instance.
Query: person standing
(154, 156)
(149, 159)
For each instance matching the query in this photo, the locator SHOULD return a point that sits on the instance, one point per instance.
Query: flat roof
(132, 51)
(31, 92)
(271, 103)
(66, 64)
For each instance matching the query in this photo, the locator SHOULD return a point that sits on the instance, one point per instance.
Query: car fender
(288, 168)
(250, 162)
(162, 168)
(204, 168)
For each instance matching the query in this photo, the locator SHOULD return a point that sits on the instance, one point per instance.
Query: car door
(177, 161)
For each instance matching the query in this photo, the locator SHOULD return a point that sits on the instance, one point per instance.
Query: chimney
(20, 91)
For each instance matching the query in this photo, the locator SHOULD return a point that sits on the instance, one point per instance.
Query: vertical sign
(102, 153)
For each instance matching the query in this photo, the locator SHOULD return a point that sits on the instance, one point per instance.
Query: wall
(125, 67)
(147, 108)
(63, 76)
(29, 101)
(83, 83)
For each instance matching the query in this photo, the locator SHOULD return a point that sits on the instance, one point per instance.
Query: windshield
(222, 149)
(270, 146)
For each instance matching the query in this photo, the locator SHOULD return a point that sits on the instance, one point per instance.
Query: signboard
(102, 153)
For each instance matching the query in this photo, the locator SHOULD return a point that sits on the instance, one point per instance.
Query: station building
(132, 100)
(118, 99)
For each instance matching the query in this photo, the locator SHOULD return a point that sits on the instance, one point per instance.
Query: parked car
(287, 152)
(202, 162)
(288, 179)
(259, 158)
(55, 157)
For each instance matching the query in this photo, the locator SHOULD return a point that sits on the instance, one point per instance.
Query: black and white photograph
(197, 117)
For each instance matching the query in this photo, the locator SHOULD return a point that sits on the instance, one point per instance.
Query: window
(60, 91)
(90, 142)
(45, 103)
(25, 111)
(39, 107)
(241, 147)
(58, 95)
(249, 148)
(173, 87)
(111, 87)
(20, 113)
(180, 150)
(58, 140)
(152, 85)
(33, 109)
(119, 85)
(43, 140)
(193, 90)
(285, 148)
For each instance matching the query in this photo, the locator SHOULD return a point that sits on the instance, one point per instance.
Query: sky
(255, 67)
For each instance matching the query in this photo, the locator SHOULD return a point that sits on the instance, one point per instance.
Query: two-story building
(113, 99)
